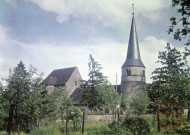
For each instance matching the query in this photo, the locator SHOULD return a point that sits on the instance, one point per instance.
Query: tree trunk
(158, 119)
(115, 113)
(74, 126)
(83, 120)
(118, 116)
(10, 119)
(67, 121)
(18, 129)
(38, 123)
(62, 120)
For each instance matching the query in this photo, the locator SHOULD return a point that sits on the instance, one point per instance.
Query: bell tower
(133, 70)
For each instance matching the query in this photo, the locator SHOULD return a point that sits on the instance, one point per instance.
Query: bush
(119, 129)
(3, 133)
(185, 129)
(137, 125)
(98, 128)
(139, 102)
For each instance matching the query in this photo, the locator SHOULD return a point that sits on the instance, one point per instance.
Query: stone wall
(74, 81)
(130, 88)
(95, 118)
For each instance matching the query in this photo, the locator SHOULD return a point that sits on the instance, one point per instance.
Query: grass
(95, 128)
(54, 128)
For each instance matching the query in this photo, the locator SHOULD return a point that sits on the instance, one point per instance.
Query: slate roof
(59, 77)
(133, 53)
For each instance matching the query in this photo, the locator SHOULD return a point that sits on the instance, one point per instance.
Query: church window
(75, 82)
(128, 72)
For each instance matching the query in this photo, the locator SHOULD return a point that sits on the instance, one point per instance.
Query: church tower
(133, 69)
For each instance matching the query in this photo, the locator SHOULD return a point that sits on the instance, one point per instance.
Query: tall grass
(56, 128)
(96, 128)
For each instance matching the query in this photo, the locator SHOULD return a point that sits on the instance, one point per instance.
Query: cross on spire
(133, 54)
(133, 9)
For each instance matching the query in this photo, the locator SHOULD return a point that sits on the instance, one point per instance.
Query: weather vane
(133, 9)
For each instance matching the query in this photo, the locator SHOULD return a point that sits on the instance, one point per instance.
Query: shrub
(97, 128)
(119, 129)
(137, 125)
(3, 133)
(139, 102)
(185, 129)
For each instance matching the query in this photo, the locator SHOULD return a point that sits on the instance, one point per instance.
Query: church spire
(133, 53)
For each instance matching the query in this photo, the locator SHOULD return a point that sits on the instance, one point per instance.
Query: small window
(128, 72)
(75, 82)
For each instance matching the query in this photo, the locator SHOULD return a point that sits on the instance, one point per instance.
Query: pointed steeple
(133, 53)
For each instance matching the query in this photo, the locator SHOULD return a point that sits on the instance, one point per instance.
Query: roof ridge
(62, 75)
(64, 68)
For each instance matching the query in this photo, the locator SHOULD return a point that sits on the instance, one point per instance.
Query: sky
(55, 34)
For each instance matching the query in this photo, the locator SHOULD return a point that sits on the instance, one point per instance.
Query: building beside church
(133, 70)
(68, 78)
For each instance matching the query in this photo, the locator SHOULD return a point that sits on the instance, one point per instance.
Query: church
(133, 72)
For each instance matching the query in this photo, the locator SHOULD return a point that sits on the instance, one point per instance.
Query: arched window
(128, 72)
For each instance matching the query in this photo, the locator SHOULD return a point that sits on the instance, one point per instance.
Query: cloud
(3, 33)
(114, 11)
(60, 7)
(13, 3)
(96, 17)
(47, 57)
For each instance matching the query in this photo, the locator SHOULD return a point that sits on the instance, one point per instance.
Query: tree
(97, 91)
(124, 105)
(171, 81)
(23, 95)
(139, 102)
(96, 77)
(3, 113)
(75, 114)
(62, 102)
(183, 30)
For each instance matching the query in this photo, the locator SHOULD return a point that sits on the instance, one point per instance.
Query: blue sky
(53, 34)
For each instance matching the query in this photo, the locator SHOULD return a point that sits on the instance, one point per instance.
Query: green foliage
(100, 128)
(96, 77)
(185, 129)
(180, 25)
(108, 96)
(75, 114)
(124, 105)
(50, 128)
(3, 133)
(22, 100)
(119, 129)
(139, 102)
(97, 91)
(3, 113)
(170, 81)
(137, 125)
(60, 102)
